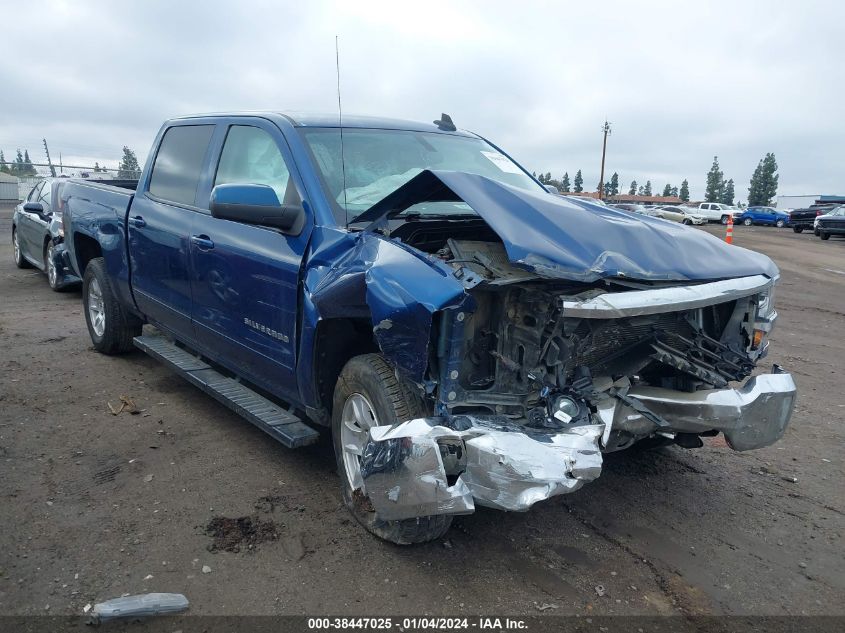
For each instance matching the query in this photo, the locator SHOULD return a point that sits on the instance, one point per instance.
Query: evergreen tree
(715, 182)
(4, 167)
(641, 191)
(28, 167)
(542, 179)
(614, 184)
(673, 192)
(607, 189)
(128, 167)
(684, 192)
(534, 174)
(17, 166)
(767, 182)
(565, 184)
(667, 190)
(633, 190)
(579, 182)
(728, 193)
(548, 177)
(647, 188)
(97, 167)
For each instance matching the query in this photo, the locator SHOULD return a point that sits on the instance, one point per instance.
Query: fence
(26, 183)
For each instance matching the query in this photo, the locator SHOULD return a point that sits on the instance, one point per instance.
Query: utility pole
(49, 163)
(606, 129)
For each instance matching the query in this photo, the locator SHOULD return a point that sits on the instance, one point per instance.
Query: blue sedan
(764, 215)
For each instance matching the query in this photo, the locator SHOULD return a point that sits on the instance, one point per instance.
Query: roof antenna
(340, 124)
(445, 123)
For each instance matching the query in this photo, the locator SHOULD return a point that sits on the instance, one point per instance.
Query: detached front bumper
(447, 465)
(753, 416)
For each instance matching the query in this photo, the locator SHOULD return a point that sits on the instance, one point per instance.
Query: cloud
(680, 83)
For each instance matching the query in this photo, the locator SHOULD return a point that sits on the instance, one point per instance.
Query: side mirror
(33, 207)
(255, 204)
(552, 189)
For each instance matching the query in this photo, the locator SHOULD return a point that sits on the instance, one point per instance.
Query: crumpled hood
(553, 237)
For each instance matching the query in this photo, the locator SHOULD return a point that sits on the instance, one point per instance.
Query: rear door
(245, 279)
(160, 223)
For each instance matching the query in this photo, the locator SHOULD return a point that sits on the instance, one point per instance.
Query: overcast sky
(679, 81)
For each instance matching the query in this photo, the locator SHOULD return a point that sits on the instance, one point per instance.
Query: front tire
(824, 236)
(367, 394)
(50, 267)
(688, 222)
(798, 229)
(110, 326)
(20, 260)
(747, 222)
(779, 224)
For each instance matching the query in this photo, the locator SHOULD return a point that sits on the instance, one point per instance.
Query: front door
(160, 222)
(245, 277)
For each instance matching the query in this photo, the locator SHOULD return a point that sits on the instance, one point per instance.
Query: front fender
(399, 289)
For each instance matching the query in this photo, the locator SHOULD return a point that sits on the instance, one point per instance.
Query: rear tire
(389, 401)
(20, 260)
(798, 229)
(110, 326)
(824, 236)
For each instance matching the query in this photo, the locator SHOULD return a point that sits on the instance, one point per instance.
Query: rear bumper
(447, 465)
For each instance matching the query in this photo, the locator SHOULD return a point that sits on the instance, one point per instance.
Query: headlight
(766, 302)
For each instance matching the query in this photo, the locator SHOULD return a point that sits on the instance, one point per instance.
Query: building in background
(8, 188)
(802, 202)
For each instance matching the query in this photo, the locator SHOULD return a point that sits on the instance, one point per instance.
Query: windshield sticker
(502, 162)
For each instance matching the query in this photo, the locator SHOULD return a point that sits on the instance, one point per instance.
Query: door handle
(203, 242)
(137, 221)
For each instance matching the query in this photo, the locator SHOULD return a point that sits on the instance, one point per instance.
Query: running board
(266, 415)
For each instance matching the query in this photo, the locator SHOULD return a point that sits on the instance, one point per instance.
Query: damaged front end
(562, 347)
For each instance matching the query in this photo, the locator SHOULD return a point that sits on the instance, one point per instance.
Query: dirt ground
(186, 497)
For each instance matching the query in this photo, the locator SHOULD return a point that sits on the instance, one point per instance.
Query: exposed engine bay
(525, 360)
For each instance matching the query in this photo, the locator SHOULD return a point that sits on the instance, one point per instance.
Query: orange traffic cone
(729, 235)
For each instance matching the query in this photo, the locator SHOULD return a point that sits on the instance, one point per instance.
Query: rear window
(176, 172)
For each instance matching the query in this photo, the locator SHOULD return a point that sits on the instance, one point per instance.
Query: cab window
(250, 156)
(178, 164)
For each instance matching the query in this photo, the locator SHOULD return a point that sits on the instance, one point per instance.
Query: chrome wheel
(96, 307)
(357, 418)
(52, 273)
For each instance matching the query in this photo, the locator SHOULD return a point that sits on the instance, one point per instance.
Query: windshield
(380, 161)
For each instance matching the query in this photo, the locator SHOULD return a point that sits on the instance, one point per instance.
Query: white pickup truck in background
(715, 211)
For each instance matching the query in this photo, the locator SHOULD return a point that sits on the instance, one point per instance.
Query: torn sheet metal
(367, 275)
(404, 474)
(752, 416)
(404, 477)
(553, 237)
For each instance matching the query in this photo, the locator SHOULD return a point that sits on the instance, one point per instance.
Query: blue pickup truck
(468, 337)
